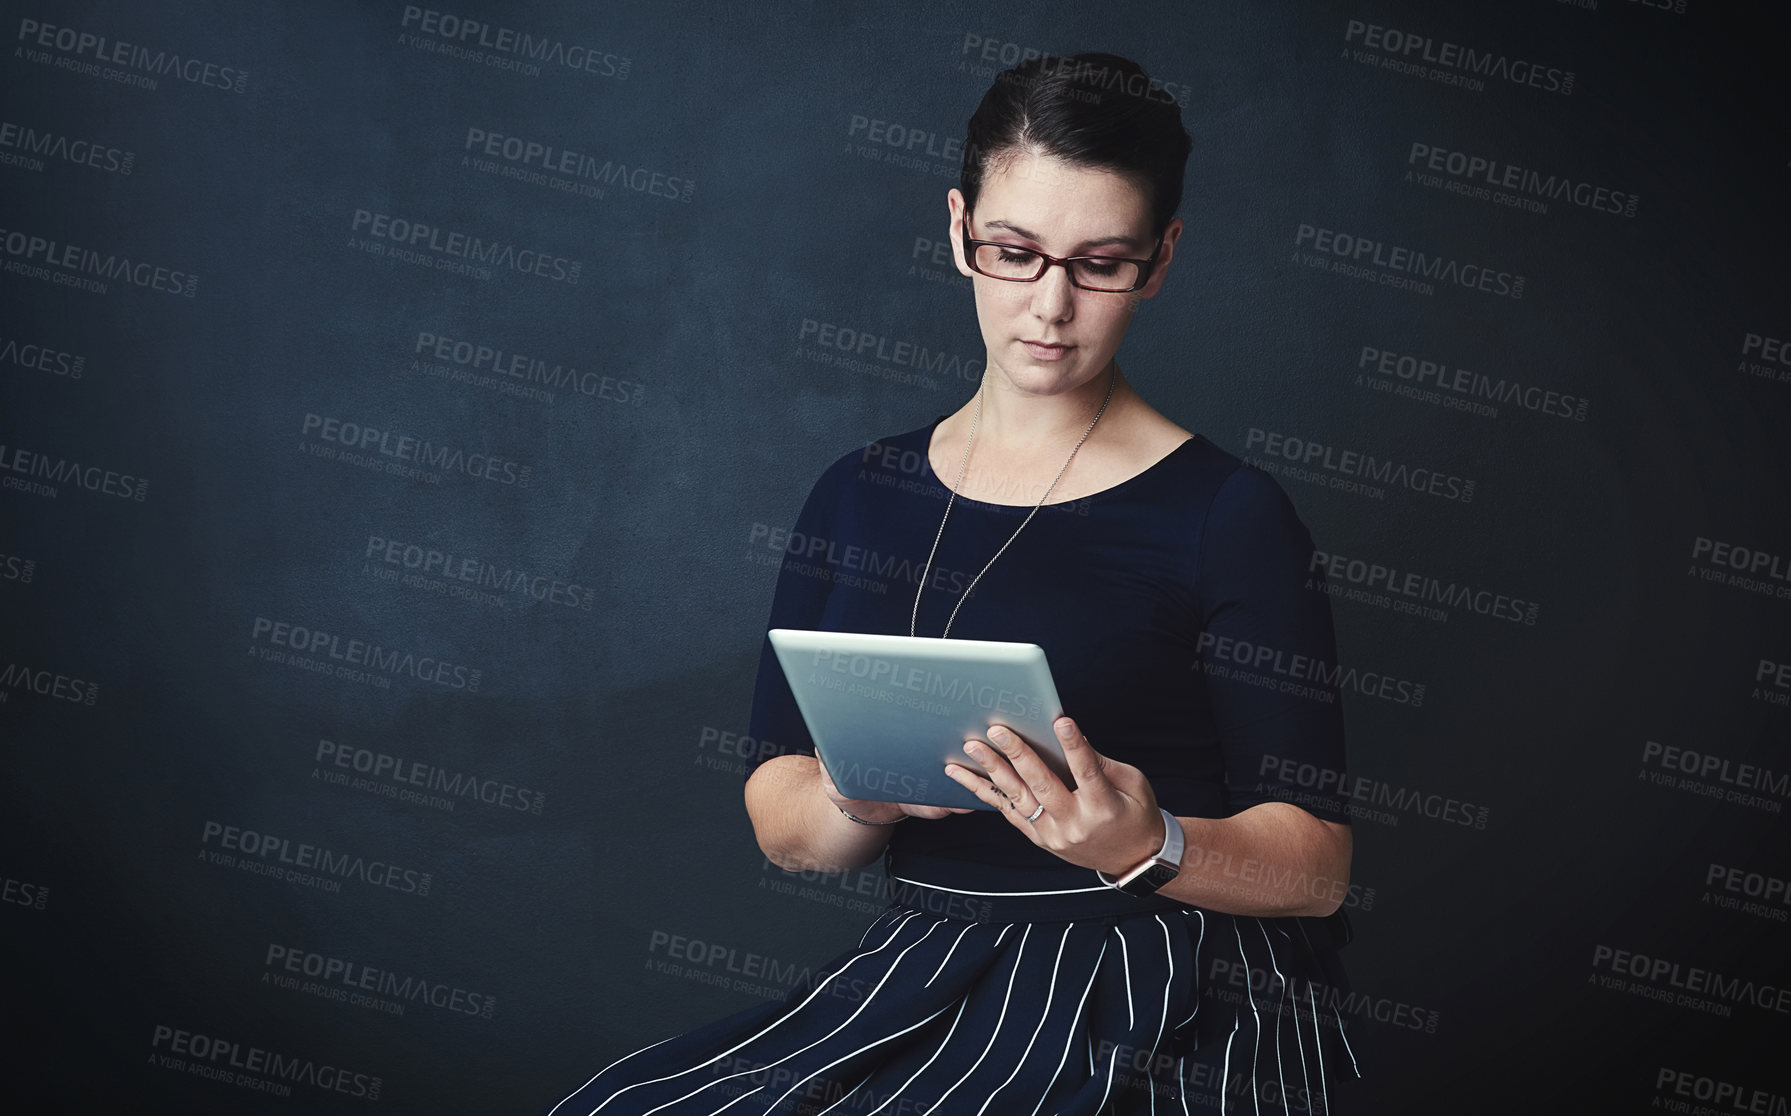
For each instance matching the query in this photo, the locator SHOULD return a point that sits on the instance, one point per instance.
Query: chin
(1040, 378)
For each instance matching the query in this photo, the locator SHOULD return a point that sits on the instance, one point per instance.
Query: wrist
(1161, 865)
(858, 818)
(1144, 848)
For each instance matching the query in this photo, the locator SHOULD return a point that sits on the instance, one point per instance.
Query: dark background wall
(401, 417)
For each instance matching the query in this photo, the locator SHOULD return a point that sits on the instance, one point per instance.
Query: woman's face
(1049, 336)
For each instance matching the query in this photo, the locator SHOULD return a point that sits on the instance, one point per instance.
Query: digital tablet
(888, 712)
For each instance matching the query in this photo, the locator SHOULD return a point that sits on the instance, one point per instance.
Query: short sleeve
(776, 726)
(1268, 653)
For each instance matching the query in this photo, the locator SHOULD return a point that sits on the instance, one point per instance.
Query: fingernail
(972, 749)
(1066, 728)
(997, 734)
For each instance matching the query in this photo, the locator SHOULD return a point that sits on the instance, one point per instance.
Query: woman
(1156, 938)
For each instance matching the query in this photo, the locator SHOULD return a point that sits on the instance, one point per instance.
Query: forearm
(1273, 859)
(798, 828)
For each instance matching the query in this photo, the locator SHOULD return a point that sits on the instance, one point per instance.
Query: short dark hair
(1095, 110)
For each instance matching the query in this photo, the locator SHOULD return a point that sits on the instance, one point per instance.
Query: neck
(1012, 418)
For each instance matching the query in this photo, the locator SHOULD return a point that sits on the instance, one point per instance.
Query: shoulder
(904, 453)
(1217, 483)
(877, 463)
(1249, 520)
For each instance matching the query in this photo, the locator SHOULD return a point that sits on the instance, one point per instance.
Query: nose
(1053, 295)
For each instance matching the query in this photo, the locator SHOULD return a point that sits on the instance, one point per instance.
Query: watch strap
(1159, 868)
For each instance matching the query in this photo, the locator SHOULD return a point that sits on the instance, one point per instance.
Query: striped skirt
(1075, 1004)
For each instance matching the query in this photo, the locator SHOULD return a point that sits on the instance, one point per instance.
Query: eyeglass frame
(1145, 267)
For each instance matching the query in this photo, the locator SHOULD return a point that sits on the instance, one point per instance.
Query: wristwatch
(1159, 869)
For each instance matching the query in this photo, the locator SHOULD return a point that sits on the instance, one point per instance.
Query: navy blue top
(1185, 630)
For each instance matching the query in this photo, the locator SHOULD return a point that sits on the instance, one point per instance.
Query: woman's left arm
(1271, 859)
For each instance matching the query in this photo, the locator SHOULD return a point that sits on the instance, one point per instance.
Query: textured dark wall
(585, 319)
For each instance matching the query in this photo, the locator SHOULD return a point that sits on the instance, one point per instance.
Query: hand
(1110, 822)
(878, 812)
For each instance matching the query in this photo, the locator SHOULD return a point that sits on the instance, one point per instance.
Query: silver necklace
(914, 617)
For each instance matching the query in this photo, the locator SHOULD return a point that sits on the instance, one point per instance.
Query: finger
(1037, 778)
(995, 766)
(930, 813)
(1085, 763)
(983, 789)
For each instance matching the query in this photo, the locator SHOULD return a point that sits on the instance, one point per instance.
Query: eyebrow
(1101, 242)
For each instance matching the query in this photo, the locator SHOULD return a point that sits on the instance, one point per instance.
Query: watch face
(1149, 879)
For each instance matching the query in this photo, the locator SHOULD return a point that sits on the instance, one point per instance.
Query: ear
(1171, 234)
(955, 205)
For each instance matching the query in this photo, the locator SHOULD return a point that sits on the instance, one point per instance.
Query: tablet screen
(888, 712)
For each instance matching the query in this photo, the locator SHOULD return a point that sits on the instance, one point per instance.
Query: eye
(1015, 255)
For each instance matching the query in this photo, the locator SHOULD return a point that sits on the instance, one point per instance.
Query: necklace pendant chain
(914, 617)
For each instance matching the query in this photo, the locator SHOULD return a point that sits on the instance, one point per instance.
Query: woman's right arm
(795, 811)
(794, 806)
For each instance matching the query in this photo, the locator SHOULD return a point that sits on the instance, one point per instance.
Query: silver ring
(1036, 811)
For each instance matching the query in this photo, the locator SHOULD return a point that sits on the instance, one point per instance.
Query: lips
(1043, 350)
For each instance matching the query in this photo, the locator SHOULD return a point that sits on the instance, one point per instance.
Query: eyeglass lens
(1003, 261)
